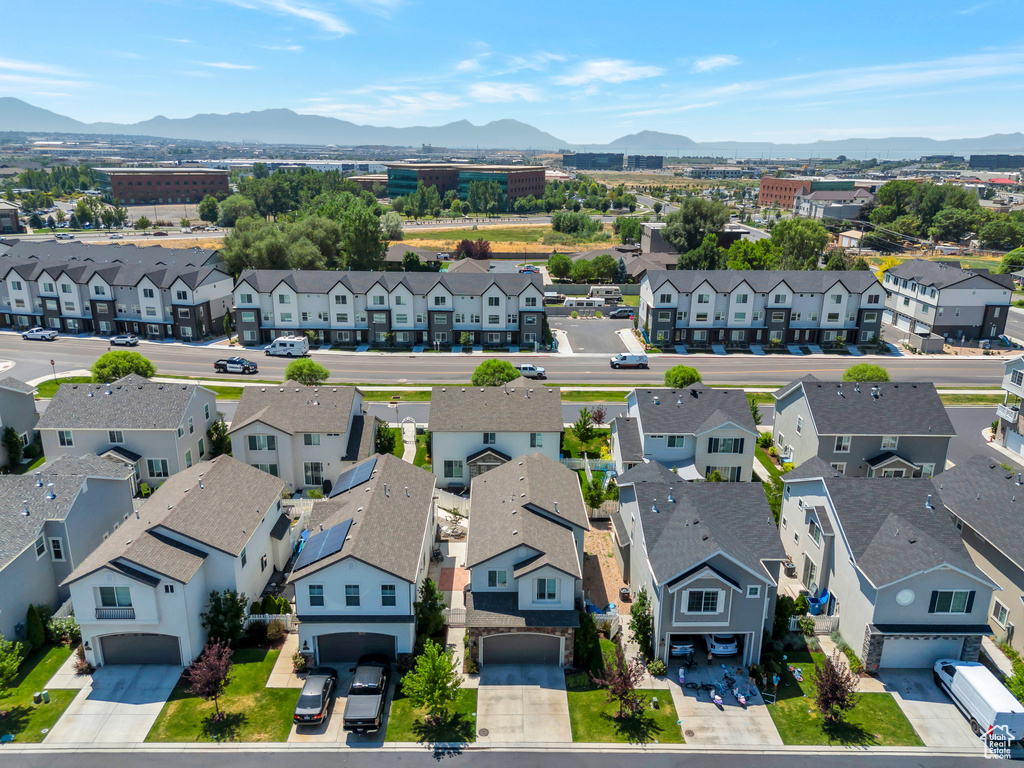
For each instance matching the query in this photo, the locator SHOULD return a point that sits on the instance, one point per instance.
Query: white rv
(288, 346)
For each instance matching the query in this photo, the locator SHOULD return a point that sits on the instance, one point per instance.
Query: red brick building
(155, 186)
(781, 191)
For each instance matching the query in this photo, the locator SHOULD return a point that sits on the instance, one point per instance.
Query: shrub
(679, 376)
(275, 632)
(35, 634)
(283, 606)
(598, 314)
(806, 624)
(299, 662)
(472, 668)
(82, 666)
(33, 451)
(269, 605)
(63, 631)
(574, 314)
(577, 681)
(802, 605)
(256, 608)
(120, 363)
(765, 440)
(773, 451)
(657, 668)
(494, 373)
(306, 371)
(787, 466)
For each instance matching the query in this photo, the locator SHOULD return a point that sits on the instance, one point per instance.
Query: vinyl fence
(290, 620)
(823, 625)
(449, 502)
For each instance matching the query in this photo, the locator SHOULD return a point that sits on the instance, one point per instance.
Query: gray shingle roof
(133, 403)
(520, 406)
(627, 435)
(293, 408)
(9, 382)
(901, 408)
(501, 609)
(762, 281)
(388, 528)
(419, 283)
(469, 265)
(533, 501)
(944, 275)
(398, 250)
(221, 514)
(692, 410)
(701, 520)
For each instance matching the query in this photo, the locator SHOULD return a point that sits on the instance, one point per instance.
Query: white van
(288, 346)
(993, 711)
(605, 292)
(624, 360)
(583, 303)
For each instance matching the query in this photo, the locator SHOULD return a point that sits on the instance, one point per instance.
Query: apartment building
(741, 307)
(157, 293)
(936, 297)
(412, 308)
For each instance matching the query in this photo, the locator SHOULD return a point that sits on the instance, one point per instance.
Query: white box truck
(993, 710)
(288, 346)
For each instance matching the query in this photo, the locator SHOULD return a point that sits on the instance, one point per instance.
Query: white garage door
(1015, 442)
(918, 653)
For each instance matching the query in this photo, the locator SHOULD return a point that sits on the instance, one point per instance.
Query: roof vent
(321, 526)
(407, 491)
(928, 502)
(91, 394)
(386, 490)
(657, 401)
(1019, 480)
(463, 389)
(263, 389)
(680, 400)
(39, 479)
(200, 485)
(556, 506)
(704, 537)
(654, 507)
(856, 387)
(671, 500)
(515, 533)
(24, 512)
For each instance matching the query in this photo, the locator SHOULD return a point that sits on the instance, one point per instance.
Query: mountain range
(283, 126)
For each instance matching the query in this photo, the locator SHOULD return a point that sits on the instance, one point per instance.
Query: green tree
(363, 242)
(391, 226)
(224, 617)
(433, 683)
(209, 210)
(836, 263)
(680, 376)
(220, 441)
(604, 266)
(641, 623)
(410, 262)
(629, 228)
(657, 208)
(582, 271)
(559, 265)
(12, 444)
(429, 609)
(11, 656)
(142, 223)
(306, 371)
(1012, 262)
(1002, 234)
(494, 373)
(35, 221)
(952, 224)
(685, 228)
(233, 208)
(117, 364)
(866, 372)
(800, 243)
(755, 409)
(384, 439)
(707, 255)
(620, 277)
(746, 254)
(583, 427)
(35, 634)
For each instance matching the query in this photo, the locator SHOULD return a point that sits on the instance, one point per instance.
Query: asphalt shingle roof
(419, 283)
(692, 410)
(520, 406)
(133, 403)
(294, 408)
(944, 274)
(762, 281)
(501, 609)
(701, 520)
(9, 382)
(627, 435)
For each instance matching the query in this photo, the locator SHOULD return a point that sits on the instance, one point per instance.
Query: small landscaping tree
(755, 409)
(679, 376)
(785, 609)
(641, 623)
(209, 210)
(430, 609)
(209, 675)
(12, 443)
(384, 440)
(433, 683)
(224, 617)
(11, 655)
(494, 373)
(220, 441)
(835, 688)
(583, 428)
(559, 265)
(598, 415)
(306, 371)
(866, 372)
(35, 635)
(620, 680)
(117, 364)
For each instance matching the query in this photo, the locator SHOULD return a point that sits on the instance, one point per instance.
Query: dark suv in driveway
(364, 707)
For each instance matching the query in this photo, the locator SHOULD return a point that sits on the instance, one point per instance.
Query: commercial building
(645, 162)
(136, 186)
(716, 172)
(9, 224)
(996, 162)
(514, 180)
(831, 203)
(593, 161)
(782, 192)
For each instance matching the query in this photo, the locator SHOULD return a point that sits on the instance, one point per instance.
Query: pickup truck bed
(363, 712)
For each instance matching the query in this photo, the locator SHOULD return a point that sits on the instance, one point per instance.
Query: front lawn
(47, 389)
(399, 448)
(596, 448)
(594, 719)
(253, 711)
(767, 463)
(407, 722)
(23, 719)
(422, 451)
(876, 720)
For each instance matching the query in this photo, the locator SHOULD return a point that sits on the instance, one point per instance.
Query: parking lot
(592, 335)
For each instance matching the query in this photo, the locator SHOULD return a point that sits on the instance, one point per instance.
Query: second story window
(1017, 378)
(316, 595)
(799, 424)
(115, 436)
(262, 443)
(115, 597)
(311, 439)
(182, 295)
(842, 443)
(536, 440)
(147, 293)
(546, 589)
(889, 442)
(64, 438)
(378, 301)
(490, 438)
(387, 595)
(352, 595)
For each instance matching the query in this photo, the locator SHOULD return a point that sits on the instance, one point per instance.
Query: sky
(745, 70)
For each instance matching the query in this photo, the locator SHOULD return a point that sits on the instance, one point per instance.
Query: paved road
(968, 423)
(649, 201)
(32, 360)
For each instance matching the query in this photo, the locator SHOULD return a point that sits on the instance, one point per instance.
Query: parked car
(159, 233)
(990, 707)
(529, 269)
(124, 340)
(64, 236)
(722, 645)
(364, 707)
(622, 312)
(317, 695)
(681, 646)
(531, 371)
(623, 360)
(235, 365)
(116, 236)
(37, 333)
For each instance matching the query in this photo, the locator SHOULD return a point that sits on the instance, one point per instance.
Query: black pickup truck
(364, 707)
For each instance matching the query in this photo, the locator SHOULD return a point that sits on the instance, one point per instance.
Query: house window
(835, 298)
(536, 440)
(206, 411)
(1017, 378)
(270, 469)
(839, 466)
(313, 472)
(40, 546)
(157, 468)
(490, 438)
(116, 436)
(188, 459)
(725, 444)
(244, 557)
(245, 298)
(147, 293)
(182, 295)
(530, 301)
(341, 299)
(719, 315)
(202, 448)
(64, 438)
(402, 319)
(742, 298)
(546, 589)
(1000, 613)
(168, 589)
(814, 531)
(677, 441)
(453, 469)
(311, 438)
(665, 298)
(387, 595)
(316, 595)
(754, 590)
(493, 301)
(870, 317)
(115, 597)
(778, 317)
(703, 298)
(352, 595)
(283, 298)
(799, 424)
(780, 298)
(842, 444)
(439, 301)
(262, 443)
(702, 601)
(181, 431)
(263, 563)
(951, 601)
(497, 579)
(873, 299)
(191, 426)
(889, 442)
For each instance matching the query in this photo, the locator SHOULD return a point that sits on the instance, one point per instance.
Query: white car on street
(37, 333)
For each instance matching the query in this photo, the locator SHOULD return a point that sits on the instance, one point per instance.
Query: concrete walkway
(522, 704)
(408, 442)
(990, 649)
(867, 684)
(282, 675)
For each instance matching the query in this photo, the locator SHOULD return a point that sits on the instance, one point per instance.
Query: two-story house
(737, 308)
(359, 573)
(982, 497)
(525, 559)
(707, 554)
(1010, 430)
(51, 520)
(304, 435)
(475, 429)
(139, 596)
(696, 430)
(863, 429)
(17, 411)
(160, 428)
(892, 563)
(926, 297)
(401, 308)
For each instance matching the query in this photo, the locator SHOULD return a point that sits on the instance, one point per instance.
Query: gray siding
(1009, 577)
(17, 410)
(25, 581)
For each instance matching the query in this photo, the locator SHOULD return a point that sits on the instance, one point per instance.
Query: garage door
(914, 653)
(1015, 442)
(522, 648)
(349, 646)
(131, 648)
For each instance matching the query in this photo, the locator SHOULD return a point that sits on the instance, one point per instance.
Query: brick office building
(784, 191)
(149, 186)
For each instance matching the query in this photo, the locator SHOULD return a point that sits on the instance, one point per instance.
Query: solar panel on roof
(323, 544)
(353, 476)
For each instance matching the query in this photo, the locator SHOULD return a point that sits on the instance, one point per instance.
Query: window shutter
(934, 600)
(711, 445)
(739, 446)
(970, 601)
(721, 601)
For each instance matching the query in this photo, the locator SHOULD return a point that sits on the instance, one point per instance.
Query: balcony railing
(115, 613)
(1007, 413)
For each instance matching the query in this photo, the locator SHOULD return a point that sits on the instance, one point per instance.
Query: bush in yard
(33, 451)
(299, 662)
(773, 451)
(806, 624)
(598, 415)
(765, 439)
(270, 605)
(283, 606)
(787, 466)
(210, 673)
(785, 609)
(433, 684)
(494, 373)
(866, 372)
(657, 668)
(679, 376)
(275, 632)
(35, 635)
(755, 410)
(256, 608)
(620, 681)
(220, 441)
(11, 655)
(224, 617)
(835, 689)
(641, 624)
(120, 363)
(587, 645)
(63, 631)
(82, 666)
(574, 314)
(429, 609)
(12, 442)
(384, 440)
(306, 371)
(801, 605)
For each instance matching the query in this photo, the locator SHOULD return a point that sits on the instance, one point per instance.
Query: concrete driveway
(934, 716)
(590, 335)
(522, 703)
(120, 705)
(329, 731)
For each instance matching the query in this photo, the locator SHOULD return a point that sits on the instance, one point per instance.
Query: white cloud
(182, 40)
(537, 61)
(225, 65)
(327, 21)
(389, 107)
(668, 110)
(608, 71)
(714, 62)
(30, 66)
(289, 48)
(975, 8)
(500, 92)
(468, 65)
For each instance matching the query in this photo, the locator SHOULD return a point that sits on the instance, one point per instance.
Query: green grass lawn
(377, 395)
(48, 388)
(582, 396)
(954, 399)
(595, 719)
(767, 463)
(407, 723)
(225, 393)
(254, 712)
(422, 451)
(399, 448)
(876, 720)
(26, 468)
(630, 301)
(25, 720)
(592, 449)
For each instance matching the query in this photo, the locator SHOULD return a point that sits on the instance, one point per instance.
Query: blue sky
(781, 70)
